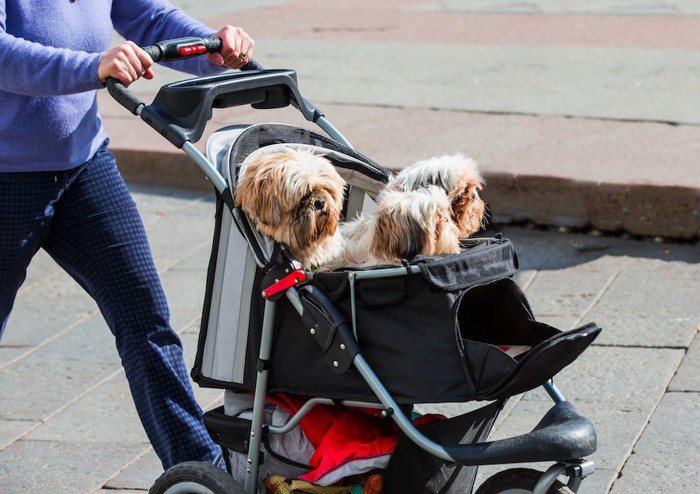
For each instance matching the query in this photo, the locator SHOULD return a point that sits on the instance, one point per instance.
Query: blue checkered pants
(87, 221)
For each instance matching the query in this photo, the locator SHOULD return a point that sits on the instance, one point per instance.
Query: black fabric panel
(545, 360)
(476, 264)
(412, 351)
(497, 314)
(211, 270)
(412, 470)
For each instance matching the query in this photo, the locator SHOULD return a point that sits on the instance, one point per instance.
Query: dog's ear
(462, 197)
(467, 207)
(243, 194)
(397, 235)
(257, 190)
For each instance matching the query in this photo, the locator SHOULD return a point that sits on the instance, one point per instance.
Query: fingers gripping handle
(177, 49)
(165, 51)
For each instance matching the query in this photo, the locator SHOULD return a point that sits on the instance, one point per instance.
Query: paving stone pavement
(67, 423)
(582, 114)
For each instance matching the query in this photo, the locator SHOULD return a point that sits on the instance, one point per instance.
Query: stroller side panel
(221, 352)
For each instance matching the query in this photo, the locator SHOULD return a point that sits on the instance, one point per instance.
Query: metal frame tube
(330, 129)
(397, 415)
(306, 408)
(548, 478)
(206, 166)
(553, 392)
(253, 469)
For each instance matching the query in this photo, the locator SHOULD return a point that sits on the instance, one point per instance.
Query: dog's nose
(319, 204)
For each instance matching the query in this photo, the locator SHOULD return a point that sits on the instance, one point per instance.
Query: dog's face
(409, 223)
(294, 197)
(458, 175)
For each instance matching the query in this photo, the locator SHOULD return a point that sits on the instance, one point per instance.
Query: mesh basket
(270, 464)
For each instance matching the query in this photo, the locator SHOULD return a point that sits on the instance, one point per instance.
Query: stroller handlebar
(180, 48)
(168, 51)
(181, 118)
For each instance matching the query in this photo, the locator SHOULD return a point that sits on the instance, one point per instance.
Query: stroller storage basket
(434, 336)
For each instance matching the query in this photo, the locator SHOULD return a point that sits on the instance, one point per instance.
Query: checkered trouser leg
(87, 221)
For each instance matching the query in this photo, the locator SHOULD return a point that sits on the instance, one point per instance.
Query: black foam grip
(122, 95)
(252, 65)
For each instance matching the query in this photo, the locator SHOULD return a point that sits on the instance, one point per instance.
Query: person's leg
(98, 237)
(26, 209)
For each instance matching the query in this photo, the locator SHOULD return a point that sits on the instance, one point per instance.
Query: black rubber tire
(518, 481)
(195, 477)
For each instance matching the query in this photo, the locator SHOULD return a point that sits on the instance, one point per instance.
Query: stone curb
(643, 209)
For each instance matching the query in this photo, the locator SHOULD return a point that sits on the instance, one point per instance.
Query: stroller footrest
(561, 435)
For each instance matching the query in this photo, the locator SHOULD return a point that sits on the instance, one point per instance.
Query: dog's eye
(303, 204)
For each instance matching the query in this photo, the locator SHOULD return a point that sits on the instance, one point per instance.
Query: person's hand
(236, 48)
(126, 62)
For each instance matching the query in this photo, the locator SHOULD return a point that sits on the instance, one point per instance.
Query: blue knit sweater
(49, 53)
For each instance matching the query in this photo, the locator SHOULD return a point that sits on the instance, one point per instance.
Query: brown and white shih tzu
(403, 225)
(295, 197)
(458, 175)
(426, 208)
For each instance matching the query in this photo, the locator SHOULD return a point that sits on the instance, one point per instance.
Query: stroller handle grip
(168, 51)
(181, 48)
(123, 96)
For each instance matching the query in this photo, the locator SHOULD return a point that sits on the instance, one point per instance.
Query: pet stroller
(379, 340)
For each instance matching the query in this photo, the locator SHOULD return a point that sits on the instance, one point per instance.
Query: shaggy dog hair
(295, 197)
(458, 175)
(404, 225)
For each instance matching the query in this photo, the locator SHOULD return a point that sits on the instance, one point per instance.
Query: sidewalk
(67, 424)
(580, 116)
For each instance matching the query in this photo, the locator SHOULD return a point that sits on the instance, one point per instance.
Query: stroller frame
(560, 433)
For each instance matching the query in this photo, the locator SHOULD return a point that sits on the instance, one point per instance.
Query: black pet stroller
(435, 330)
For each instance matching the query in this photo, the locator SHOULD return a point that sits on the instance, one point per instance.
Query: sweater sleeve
(35, 70)
(148, 21)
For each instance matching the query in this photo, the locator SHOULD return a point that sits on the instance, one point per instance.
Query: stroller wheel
(195, 477)
(518, 481)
